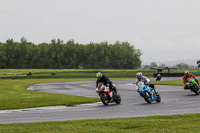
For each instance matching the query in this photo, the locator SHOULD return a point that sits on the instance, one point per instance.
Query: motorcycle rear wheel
(104, 99)
(195, 89)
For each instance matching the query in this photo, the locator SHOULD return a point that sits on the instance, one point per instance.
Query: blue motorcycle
(148, 93)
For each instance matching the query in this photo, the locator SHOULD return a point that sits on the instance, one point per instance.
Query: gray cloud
(163, 30)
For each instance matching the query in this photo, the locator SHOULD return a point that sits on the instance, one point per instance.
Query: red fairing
(108, 91)
(99, 89)
(186, 77)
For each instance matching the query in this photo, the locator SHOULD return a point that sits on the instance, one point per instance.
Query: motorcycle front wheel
(117, 98)
(104, 99)
(146, 97)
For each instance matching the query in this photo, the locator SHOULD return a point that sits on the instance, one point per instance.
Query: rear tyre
(104, 99)
(158, 98)
(147, 98)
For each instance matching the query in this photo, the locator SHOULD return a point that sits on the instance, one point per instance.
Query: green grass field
(14, 95)
(154, 124)
(68, 73)
(171, 82)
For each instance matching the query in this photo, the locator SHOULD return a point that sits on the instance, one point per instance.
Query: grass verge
(14, 95)
(171, 82)
(154, 124)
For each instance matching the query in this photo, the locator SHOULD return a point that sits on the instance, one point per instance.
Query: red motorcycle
(107, 95)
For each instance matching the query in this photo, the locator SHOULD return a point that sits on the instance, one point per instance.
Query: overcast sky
(162, 29)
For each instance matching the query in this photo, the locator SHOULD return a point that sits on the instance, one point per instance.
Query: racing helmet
(186, 73)
(139, 75)
(99, 75)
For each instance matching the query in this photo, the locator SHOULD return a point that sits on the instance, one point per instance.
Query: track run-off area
(174, 100)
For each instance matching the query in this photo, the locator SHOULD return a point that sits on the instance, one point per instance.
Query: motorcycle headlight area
(103, 88)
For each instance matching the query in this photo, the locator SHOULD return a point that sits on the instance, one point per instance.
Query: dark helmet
(99, 75)
(139, 75)
(186, 73)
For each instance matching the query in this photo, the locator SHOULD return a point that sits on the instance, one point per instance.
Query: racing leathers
(105, 80)
(189, 76)
(146, 82)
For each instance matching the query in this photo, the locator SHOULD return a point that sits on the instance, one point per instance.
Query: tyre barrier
(169, 74)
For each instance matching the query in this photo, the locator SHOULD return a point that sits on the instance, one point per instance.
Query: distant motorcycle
(158, 77)
(107, 95)
(148, 93)
(192, 85)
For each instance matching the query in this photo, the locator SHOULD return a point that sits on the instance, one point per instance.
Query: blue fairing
(142, 88)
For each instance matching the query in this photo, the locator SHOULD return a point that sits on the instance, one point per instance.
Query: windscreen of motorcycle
(139, 84)
(189, 79)
(99, 85)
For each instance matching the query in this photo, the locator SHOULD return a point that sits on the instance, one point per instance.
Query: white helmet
(139, 75)
(186, 73)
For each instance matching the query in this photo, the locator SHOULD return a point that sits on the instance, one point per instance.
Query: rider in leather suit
(186, 76)
(105, 80)
(145, 80)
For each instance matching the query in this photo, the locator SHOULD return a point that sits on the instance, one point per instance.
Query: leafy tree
(153, 64)
(124, 56)
(9, 53)
(198, 63)
(182, 66)
(146, 67)
(21, 53)
(57, 54)
(2, 57)
(163, 65)
(70, 55)
(42, 57)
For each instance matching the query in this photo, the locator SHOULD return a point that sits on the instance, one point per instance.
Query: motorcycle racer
(105, 80)
(186, 76)
(145, 80)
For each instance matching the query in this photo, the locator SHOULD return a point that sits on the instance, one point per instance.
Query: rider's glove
(113, 85)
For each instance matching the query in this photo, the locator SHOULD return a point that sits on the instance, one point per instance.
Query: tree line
(70, 55)
(179, 66)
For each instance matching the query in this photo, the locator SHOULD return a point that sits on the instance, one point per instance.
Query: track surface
(175, 100)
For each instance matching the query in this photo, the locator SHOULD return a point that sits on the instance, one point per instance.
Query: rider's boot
(197, 81)
(115, 90)
(155, 91)
(185, 87)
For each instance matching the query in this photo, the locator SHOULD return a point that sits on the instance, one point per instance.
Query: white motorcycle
(107, 95)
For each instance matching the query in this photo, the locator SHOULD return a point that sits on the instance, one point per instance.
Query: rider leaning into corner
(105, 80)
(186, 76)
(145, 80)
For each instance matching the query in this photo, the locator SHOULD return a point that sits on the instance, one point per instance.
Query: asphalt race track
(175, 100)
